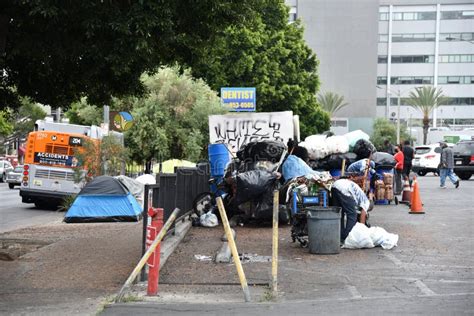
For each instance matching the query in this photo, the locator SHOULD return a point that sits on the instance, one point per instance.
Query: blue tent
(104, 199)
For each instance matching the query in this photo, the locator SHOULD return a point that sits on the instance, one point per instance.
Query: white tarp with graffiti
(238, 129)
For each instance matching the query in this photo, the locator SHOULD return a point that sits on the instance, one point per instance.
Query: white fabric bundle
(337, 145)
(316, 146)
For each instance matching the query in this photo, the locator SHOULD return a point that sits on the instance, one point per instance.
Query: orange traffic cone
(416, 207)
(406, 194)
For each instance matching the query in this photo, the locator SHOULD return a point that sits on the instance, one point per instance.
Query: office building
(375, 53)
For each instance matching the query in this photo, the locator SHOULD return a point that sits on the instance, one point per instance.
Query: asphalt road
(430, 272)
(14, 214)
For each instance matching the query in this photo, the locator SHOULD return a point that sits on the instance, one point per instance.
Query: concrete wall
(343, 34)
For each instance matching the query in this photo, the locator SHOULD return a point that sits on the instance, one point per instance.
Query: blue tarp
(90, 208)
(295, 167)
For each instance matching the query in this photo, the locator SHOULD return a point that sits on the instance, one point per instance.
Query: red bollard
(156, 215)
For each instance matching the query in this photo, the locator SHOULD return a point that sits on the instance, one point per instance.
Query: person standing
(408, 155)
(398, 170)
(388, 147)
(446, 167)
(350, 197)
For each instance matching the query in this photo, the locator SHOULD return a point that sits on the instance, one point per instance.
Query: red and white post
(156, 215)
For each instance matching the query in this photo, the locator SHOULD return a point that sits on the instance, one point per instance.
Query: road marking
(394, 259)
(354, 292)
(424, 288)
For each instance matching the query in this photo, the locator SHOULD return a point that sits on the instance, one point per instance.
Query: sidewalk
(434, 259)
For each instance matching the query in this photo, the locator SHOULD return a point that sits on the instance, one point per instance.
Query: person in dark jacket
(408, 155)
(446, 167)
(388, 147)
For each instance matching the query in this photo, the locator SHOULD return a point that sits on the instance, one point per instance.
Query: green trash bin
(324, 229)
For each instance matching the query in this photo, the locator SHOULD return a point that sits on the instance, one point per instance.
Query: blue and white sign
(239, 99)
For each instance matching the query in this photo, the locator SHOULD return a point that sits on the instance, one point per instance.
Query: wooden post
(233, 249)
(275, 243)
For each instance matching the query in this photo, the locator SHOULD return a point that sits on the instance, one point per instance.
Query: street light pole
(398, 118)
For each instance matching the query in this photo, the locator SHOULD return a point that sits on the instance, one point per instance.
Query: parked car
(464, 159)
(14, 177)
(5, 168)
(427, 158)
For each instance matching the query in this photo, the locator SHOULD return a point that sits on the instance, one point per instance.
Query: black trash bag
(315, 164)
(264, 206)
(335, 161)
(298, 151)
(363, 148)
(383, 159)
(253, 184)
(263, 150)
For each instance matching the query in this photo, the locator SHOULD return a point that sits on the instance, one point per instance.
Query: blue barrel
(219, 157)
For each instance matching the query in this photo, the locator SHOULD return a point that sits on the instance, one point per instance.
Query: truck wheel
(3, 178)
(11, 186)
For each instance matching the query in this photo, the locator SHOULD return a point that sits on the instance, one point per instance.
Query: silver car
(14, 177)
(5, 168)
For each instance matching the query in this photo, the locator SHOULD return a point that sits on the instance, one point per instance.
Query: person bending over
(350, 197)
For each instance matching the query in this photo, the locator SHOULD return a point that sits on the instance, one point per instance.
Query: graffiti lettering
(238, 130)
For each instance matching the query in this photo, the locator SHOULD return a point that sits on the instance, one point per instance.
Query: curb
(170, 244)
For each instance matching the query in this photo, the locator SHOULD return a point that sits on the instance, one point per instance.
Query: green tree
(271, 55)
(95, 158)
(82, 113)
(171, 121)
(6, 127)
(331, 102)
(426, 99)
(59, 51)
(386, 130)
(25, 117)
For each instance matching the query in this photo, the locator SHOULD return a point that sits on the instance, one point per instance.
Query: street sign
(239, 99)
(120, 121)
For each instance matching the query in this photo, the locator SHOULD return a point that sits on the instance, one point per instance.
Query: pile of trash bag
(253, 178)
(328, 152)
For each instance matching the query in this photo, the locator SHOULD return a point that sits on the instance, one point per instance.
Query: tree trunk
(426, 125)
(148, 166)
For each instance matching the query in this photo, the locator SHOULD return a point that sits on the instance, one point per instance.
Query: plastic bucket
(324, 229)
(219, 157)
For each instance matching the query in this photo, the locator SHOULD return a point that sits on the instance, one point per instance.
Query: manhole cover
(12, 249)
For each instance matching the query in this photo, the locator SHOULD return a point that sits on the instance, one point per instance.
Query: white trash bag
(209, 219)
(316, 146)
(337, 145)
(359, 237)
(381, 237)
(363, 237)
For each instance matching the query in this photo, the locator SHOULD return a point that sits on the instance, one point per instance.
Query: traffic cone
(416, 207)
(406, 194)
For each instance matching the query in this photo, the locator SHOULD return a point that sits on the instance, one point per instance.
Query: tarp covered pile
(328, 153)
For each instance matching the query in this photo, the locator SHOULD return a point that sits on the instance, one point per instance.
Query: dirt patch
(12, 249)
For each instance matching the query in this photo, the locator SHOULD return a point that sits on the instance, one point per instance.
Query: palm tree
(426, 99)
(331, 102)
